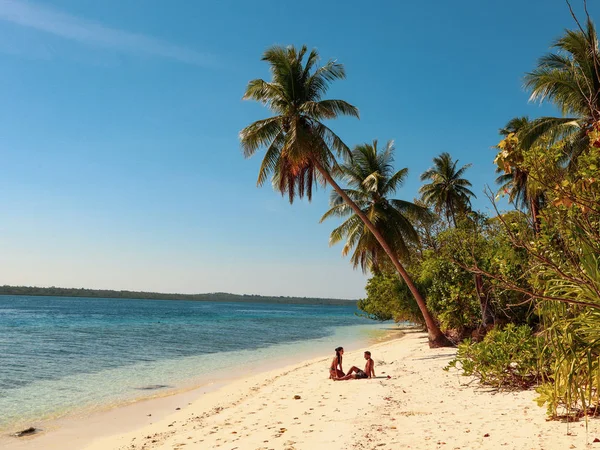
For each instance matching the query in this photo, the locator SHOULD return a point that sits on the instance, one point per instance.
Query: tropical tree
(371, 181)
(570, 79)
(300, 149)
(514, 178)
(447, 191)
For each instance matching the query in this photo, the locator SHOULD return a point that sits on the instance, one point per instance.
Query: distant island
(211, 297)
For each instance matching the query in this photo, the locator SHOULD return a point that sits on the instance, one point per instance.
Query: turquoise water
(59, 354)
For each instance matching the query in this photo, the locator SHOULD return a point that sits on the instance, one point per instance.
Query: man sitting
(355, 373)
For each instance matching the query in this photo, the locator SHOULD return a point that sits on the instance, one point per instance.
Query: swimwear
(360, 374)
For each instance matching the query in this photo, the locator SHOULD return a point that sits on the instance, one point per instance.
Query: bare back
(334, 363)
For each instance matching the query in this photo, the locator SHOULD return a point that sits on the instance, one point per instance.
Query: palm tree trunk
(453, 215)
(436, 337)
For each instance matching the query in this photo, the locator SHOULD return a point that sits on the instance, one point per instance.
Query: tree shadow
(441, 355)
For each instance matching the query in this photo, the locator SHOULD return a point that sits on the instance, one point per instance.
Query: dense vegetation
(525, 283)
(519, 291)
(301, 150)
(211, 297)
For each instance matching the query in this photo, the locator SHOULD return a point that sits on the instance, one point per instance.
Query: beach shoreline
(296, 407)
(78, 428)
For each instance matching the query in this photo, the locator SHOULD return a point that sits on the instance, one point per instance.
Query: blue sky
(119, 122)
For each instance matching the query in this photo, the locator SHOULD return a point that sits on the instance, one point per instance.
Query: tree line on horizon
(518, 291)
(141, 295)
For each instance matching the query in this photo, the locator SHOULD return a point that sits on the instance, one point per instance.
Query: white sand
(419, 407)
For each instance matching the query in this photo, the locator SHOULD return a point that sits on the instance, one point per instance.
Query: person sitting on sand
(334, 372)
(356, 374)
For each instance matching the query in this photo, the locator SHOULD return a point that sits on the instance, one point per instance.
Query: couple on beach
(337, 373)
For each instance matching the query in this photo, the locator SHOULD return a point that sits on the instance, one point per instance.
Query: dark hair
(368, 353)
(337, 353)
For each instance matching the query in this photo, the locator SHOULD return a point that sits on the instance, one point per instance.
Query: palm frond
(337, 210)
(570, 79)
(395, 181)
(344, 230)
(269, 162)
(370, 176)
(551, 128)
(447, 190)
(329, 139)
(259, 134)
(328, 109)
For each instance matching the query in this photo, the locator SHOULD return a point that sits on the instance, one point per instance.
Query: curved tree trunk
(436, 337)
(453, 215)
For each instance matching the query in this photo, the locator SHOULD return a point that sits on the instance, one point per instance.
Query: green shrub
(450, 293)
(508, 358)
(572, 333)
(389, 298)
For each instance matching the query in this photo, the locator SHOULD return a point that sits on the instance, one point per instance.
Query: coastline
(419, 407)
(78, 428)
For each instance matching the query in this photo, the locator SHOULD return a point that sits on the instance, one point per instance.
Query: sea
(60, 355)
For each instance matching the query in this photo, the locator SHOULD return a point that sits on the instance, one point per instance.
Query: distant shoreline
(141, 295)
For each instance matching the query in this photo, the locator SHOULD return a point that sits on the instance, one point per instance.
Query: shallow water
(63, 354)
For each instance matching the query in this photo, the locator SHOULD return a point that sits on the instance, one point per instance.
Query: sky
(119, 153)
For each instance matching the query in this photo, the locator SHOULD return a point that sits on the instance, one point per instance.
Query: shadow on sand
(441, 355)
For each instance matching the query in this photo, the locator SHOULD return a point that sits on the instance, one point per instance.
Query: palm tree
(447, 192)
(570, 79)
(514, 179)
(300, 148)
(371, 180)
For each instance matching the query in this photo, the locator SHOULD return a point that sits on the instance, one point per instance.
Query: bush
(389, 298)
(572, 333)
(508, 358)
(450, 292)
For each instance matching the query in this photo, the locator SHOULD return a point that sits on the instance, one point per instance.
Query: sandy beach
(419, 407)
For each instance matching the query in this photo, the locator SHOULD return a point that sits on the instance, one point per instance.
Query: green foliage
(442, 268)
(508, 358)
(371, 180)
(572, 333)
(520, 271)
(301, 150)
(515, 272)
(570, 79)
(451, 294)
(389, 298)
(447, 191)
(564, 274)
(298, 144)
(485, 244)
(449, 274)
(515, 181)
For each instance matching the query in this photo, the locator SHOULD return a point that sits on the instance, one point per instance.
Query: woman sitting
(335, 370)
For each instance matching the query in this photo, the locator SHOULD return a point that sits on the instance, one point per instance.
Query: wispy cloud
(48, 20)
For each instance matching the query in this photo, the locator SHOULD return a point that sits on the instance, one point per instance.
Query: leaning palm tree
(300, 149)
(514, 179)
(570, 79)
(371, 181)
(447, 191)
